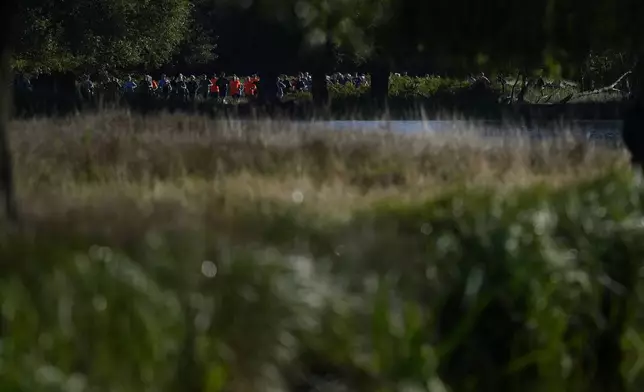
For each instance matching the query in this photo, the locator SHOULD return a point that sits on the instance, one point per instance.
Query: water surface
(591, 130)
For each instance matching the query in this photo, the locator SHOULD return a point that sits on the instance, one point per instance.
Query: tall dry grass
(97, 159)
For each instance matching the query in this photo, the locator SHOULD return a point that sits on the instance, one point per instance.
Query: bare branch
(608, 89)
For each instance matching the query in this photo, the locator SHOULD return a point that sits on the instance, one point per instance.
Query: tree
(578, 27)
(199, 43)
(99, 34)
(254, 39)
(292, 33)
(347, 26)
(9, 9)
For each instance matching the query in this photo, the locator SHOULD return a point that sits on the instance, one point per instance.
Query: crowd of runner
(191, 87)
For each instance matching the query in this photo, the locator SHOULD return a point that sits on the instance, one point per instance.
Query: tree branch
(608, 89)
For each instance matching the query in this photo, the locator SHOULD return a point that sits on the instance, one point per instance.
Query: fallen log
(607, 89)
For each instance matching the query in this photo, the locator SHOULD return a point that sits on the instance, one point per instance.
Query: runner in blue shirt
(130, 85)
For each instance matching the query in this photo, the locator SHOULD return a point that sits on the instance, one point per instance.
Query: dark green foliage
(458, 36)
(89, 35)
(199, 43)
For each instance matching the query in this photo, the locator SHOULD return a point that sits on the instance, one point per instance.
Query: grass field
(180, 253)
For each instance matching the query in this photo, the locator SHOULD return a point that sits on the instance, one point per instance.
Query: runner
(235, 87)
(204, 87)
(130, 85)
(222, 83)
(214, 88)
(250, 88)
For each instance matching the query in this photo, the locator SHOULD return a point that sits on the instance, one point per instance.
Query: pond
(599, 131)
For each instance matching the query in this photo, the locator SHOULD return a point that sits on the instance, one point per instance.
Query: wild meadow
(182, 253)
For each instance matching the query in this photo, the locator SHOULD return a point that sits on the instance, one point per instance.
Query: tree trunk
(9, 9)
(320, 67)
(267, 89)
(320, 90)
(380, 83)
(524, 88)
(633, 124)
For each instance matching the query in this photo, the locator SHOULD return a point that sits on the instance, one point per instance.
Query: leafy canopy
(91, 34)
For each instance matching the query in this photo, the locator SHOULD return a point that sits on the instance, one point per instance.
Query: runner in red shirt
(214, 88)
(235, 87)
(250, 88)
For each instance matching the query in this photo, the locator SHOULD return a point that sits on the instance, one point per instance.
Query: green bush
(408, 87)
(479, 290)
(403, 87)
